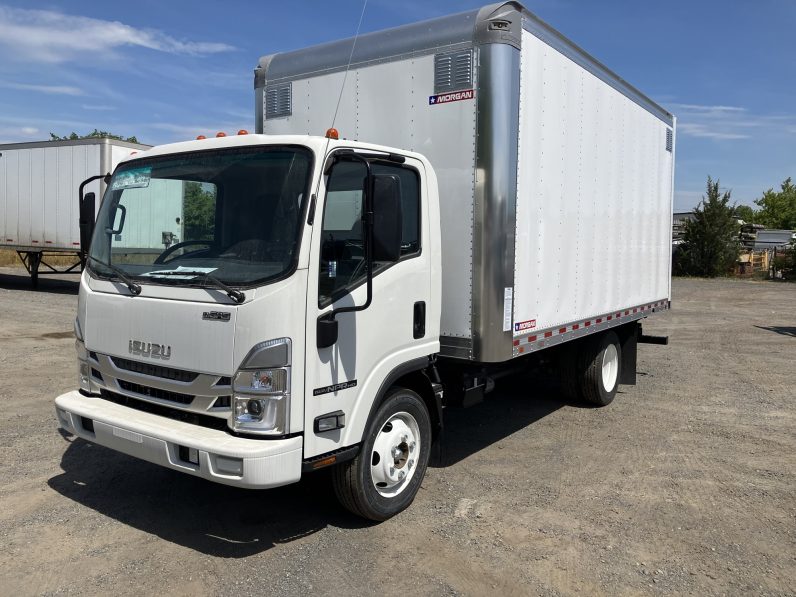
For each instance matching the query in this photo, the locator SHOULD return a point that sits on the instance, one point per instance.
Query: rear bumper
(222, 458)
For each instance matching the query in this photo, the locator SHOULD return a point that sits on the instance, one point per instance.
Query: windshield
(233, 213)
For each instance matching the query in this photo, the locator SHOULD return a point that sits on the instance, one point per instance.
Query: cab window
(343, 265)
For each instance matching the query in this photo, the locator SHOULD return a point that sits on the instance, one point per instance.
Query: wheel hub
(610, 367)
(395, 453)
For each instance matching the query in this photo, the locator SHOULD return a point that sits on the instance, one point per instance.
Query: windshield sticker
(137, 178)
(181, 273)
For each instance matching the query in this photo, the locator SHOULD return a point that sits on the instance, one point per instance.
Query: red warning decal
(455, 96)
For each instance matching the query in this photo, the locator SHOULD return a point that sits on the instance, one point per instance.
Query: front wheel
(386, 474)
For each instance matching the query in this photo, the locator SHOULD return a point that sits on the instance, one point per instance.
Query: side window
(410, 205)
(342, 238)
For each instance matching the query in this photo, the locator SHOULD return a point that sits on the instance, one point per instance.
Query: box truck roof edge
(494, 23)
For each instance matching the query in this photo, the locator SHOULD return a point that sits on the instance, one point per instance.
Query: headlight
(261, 390)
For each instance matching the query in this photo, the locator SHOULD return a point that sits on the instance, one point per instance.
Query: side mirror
(87, 211)
(387, 220)
(326, 331)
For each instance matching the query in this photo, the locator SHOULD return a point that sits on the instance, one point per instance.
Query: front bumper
(222, 458)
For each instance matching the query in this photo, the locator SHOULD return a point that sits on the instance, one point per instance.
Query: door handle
(419, 327)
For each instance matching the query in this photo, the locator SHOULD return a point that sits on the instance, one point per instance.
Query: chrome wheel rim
(610, 368)
(393, 460)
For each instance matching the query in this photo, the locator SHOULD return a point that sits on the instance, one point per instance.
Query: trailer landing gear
(34, 260)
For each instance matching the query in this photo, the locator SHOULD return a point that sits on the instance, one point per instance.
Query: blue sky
(167, 70)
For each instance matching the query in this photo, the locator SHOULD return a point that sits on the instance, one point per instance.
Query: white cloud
(50, 89)
(11, 134)
(51, 37)
(727, 123)
(702, 130)
(712, 110)
(98, 107)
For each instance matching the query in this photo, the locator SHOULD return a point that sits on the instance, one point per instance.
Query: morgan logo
(456, 96)
(521, 326)
(148, 349)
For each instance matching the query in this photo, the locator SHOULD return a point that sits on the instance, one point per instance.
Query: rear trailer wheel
(600, 378)
(386, 474)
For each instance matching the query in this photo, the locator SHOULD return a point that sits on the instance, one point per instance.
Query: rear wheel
(386, 474)
(590, 370)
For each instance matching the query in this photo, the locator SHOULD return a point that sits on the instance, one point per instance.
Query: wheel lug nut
(392, 470)
(404, 438)
(401, 475)
(410, 464)
(412, 446)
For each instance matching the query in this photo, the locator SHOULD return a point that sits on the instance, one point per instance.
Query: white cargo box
(555, 174)
(39, 189)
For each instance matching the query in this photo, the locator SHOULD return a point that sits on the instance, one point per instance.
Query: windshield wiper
(135, 289)
(235, 295)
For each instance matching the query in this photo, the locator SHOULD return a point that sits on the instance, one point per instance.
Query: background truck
(39, 204)
(507, 205)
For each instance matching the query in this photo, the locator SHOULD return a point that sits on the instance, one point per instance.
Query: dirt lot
(686, 484)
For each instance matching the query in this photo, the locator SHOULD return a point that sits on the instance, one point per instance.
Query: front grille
(154, 370)
(223, 402)
(155, 392)
(165, 411)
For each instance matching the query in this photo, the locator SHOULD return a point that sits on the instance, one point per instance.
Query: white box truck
(506, 203)
(39, 196)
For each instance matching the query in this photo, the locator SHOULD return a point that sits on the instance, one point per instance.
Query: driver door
(371, 343)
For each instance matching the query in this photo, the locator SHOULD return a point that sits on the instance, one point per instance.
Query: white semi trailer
(507, 203)
(39, 189)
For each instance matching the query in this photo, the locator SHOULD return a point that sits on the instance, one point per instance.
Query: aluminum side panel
(495, 202)
(594, 195)
(388, 104)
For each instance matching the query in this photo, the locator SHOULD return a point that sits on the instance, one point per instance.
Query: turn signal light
(332, 134)
(221, 134)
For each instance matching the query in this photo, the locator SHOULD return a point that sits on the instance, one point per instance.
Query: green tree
(199, 211)
(95, 134)
(710, 242)
(778, 208)
(747, 214)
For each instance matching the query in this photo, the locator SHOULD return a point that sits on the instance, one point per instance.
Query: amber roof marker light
(332, 133)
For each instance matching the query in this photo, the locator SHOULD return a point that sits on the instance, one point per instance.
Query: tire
(591, 370)
(386, 474)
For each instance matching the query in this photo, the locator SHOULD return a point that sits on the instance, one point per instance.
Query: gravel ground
(685, 484)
